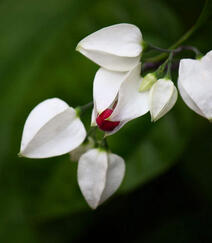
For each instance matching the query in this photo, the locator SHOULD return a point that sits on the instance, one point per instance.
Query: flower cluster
(120, 94)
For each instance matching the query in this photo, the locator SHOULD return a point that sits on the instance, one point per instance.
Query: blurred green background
(166, 195)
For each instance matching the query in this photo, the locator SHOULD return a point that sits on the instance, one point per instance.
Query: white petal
(195, 77)
(92, 171)
(51, 129)
(207, 61)
(105, 88)
(115, 175)
(162, 97)
(187, 99)
(131, 103)
(117, 47)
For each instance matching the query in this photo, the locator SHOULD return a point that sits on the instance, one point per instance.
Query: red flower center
(104, 124)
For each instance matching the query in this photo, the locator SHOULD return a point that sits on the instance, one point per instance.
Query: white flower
(117, 99)
(100, 173)
(162, 97)
(195, 84)
(117, 47)
(51, 129)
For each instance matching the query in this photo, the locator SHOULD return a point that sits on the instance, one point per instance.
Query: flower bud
(147, 82)
(103, 123)
(162, 98)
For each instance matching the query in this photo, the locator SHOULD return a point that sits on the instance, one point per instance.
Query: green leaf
(61, 194)
(155, 154)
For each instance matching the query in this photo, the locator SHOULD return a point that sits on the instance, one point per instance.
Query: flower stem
(91, 131)
(177, 50)
(81, 109)
(158, 48)
(201, 19)
(159, 72)
(86, 106)
(169, 65)
(104, 144)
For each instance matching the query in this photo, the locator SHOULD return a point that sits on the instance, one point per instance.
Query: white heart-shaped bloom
(51, 129)
(195, 84)
(117, 47)
(162, 97)
(119, 91)
(100, 173)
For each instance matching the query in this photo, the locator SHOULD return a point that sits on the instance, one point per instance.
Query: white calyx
(51, 129)
(117, 47)
(100, 173)
(195, 84)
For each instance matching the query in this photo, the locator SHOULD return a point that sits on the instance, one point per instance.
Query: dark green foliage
(40, 200)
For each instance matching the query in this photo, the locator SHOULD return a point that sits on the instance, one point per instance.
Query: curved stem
(158, 48)
(201, 19)
(91, 131)
(169, 65)
(81, 109)
(86, 106)
(104, 143)
(177, 50)
(189, 48)
(159, 72)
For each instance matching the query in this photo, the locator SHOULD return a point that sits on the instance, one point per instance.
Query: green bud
(167, 78)
(20, 155)
(78, 48)
(147, 82)
(144, 45)
(199, 57)
(78, 111)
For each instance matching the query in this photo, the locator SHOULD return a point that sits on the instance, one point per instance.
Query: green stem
(169, 65)
(81, 109)
(104, 144)
(158, 48)
(91, 131)
(201, 19)
(86, 106)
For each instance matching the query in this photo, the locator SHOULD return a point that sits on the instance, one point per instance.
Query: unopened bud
(103, 123)
(147, 82)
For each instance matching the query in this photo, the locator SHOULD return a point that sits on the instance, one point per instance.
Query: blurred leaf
(61, 194)
(158, 151)
(13, 219)
(183, 229)
(196, 163)
(38, 61)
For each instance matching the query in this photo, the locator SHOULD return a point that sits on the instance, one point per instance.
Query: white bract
(100, 173)
(119, 91)
(51, 129)
(195, 84)
(162, 97)
(117, 47)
